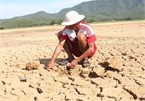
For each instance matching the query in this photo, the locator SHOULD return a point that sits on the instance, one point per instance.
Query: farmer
(78, 40)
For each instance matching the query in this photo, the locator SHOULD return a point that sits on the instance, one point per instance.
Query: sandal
(64, 62)
(85, 63)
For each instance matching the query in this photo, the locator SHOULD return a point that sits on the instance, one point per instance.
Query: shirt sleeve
(89, 33)
(91, 39)
(64, 35)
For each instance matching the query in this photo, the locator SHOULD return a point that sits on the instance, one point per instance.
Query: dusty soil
(116, 73)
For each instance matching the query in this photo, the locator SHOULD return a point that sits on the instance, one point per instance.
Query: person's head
(72, 18)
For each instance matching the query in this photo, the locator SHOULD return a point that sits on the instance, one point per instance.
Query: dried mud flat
(117, 71)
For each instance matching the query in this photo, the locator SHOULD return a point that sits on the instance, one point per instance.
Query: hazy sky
(13, 8)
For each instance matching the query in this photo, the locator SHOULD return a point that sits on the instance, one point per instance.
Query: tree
(52, 22)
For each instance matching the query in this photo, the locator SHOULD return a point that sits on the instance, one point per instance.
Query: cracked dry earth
(116, 73)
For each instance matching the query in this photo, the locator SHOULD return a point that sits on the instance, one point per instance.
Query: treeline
(22, 23)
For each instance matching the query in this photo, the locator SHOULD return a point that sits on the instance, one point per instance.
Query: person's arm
(55, 54)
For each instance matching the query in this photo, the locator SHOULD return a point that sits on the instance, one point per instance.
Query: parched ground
(117, 71)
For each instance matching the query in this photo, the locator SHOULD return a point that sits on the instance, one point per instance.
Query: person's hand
(73, 64)
(50, 66)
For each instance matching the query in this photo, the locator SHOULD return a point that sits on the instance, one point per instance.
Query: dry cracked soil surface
(116, 73)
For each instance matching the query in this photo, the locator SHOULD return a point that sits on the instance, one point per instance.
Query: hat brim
(80, 17)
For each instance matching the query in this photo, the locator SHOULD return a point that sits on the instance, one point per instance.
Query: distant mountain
(110, 9)
(96, 10)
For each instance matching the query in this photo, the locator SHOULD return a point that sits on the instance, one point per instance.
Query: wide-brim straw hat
(72, 17)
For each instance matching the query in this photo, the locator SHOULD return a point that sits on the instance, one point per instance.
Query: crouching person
(78, 40)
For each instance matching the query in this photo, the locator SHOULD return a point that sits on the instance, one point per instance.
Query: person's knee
(59, 34)
(81, 36)
(82, 43)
